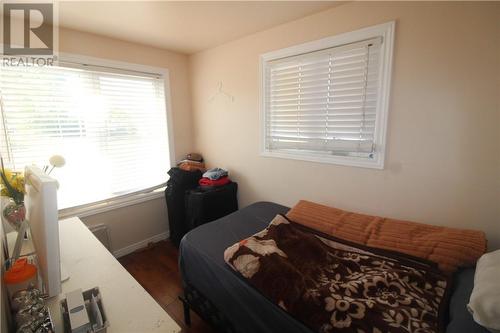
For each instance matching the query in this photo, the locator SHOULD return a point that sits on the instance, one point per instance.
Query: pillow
(450, 248)
(484, 303)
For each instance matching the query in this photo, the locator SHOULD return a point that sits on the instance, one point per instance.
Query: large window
(110, 125)
(326, 101)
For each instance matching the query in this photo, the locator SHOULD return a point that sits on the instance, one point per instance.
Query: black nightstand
(206, 204)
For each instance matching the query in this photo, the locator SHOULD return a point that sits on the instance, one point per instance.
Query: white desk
(89, 264)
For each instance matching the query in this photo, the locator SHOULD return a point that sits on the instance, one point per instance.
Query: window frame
(386, 31)
(133, 198)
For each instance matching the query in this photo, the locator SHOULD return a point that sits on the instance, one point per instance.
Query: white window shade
(324, 101)
(110, 126)
(327, 100)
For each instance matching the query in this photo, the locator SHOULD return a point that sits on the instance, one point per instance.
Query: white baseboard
(139, 245)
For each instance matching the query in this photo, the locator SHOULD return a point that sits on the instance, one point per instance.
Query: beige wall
(133, 225)
(136, 223)
(443, 150)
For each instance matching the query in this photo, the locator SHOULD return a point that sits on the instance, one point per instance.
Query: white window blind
(324, 102)
(110, 125)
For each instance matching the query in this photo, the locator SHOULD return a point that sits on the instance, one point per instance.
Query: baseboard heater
(100, 231)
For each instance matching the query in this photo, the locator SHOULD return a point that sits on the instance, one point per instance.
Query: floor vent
(100, 231)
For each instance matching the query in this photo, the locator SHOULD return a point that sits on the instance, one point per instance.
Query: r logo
(28, 29)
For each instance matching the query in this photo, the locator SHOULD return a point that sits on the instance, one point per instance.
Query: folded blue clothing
(215, 173)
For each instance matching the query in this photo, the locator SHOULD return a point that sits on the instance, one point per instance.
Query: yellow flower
(8, 174)
(18, 182)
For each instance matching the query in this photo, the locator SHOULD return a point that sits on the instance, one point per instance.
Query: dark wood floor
(155, 268)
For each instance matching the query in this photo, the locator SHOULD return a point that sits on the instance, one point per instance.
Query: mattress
(202, 265)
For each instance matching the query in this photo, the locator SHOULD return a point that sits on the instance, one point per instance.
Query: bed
(228, 302)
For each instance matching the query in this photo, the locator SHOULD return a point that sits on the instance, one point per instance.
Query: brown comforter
(334, 287)
(450, 248)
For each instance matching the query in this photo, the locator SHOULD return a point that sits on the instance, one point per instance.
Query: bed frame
(203, 307)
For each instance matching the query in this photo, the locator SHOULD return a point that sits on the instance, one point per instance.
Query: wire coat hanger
(222, 92)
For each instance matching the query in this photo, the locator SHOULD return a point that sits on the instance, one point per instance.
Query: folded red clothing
(218, 182)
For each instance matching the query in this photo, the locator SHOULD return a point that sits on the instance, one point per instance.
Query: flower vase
(14, 213)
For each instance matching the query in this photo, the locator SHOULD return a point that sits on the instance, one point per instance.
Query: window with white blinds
(327, 104)
(109, 124)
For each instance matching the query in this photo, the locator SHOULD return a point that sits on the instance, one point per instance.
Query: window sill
(376, 163)
(109, 205)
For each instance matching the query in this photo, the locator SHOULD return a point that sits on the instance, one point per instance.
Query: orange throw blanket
(450, 248)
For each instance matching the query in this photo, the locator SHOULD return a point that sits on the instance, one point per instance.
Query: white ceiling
(186, 27)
